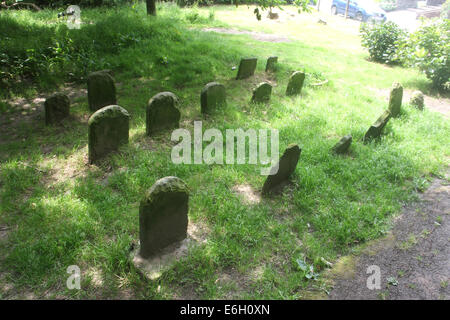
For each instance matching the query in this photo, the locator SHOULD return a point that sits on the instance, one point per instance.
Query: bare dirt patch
(437, 104)
(266, 37)
(30, 111)
(414, 259)
(247, 194)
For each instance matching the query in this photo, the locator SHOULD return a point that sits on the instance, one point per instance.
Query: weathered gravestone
(262, 92)
(343, 145)
(57, 107)
(295, 83)
(271, 64)
(375, 129)
(246, 68)
(212, 96)
(101, 90)
(162, 112)
(163, 215)
(108, 129)
(417, 100)
(395, 99)
(280, 173)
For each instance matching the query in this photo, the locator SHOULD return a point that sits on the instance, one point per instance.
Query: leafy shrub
(429, 50)
(388, 5)
(381, 39)
(83, 3)
(445, 14)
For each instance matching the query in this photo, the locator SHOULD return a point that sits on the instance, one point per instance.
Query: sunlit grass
(62, 211)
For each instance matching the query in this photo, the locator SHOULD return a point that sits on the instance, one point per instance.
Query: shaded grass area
(63, 212)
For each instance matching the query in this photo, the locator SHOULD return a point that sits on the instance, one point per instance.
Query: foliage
(263, 5)
(388, 5)
(82, 3)
(445, 14)
(429, 50)
(381, 39)
(61, 212)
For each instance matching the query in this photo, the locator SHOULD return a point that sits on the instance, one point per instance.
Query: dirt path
(414, 259)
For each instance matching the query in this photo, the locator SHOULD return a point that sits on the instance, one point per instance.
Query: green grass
(61, 212)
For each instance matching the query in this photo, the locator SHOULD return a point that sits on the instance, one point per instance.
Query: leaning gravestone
(417, 100)
(343, 145)
(295, 83)
(162, 112)
(212, 96)
(271, 64)
(246, 68)
(57, 107)
(101, 90)
(286, 166)
(375, 129)
(163, 215)
(395, 99)
(262, 92)
(108, 129)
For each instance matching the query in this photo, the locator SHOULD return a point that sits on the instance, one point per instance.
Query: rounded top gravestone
(262, 92)
(395, 99)
(295, 83)
(162, 112)
(163, 215)
(212, 96)
(108, 129)
(101, 90)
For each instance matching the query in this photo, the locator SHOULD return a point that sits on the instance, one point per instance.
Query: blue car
(362, 10)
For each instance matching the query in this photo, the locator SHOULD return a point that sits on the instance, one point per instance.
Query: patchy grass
(60, 211)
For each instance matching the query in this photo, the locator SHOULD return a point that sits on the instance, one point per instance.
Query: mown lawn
(57, 211)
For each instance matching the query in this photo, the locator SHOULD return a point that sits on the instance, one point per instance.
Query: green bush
(429, 50)
(82, 3)
(381, 39)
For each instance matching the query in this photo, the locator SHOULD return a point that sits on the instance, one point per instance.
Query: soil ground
(414, 259)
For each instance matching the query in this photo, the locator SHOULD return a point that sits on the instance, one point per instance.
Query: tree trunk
(151, 7)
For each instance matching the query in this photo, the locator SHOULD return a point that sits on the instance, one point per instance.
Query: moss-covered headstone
(395, 99)
(280, 173)
(163, 215)
(108, 130)
(271, 64)
(247, 68)
(101, 90)
(162, 112)
(212, 96)
(376, 129)
(262, 92)
(343, 145)
(57, 107)
(417, 100)
(295, 83)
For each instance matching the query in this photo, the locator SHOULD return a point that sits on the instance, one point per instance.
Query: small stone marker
(101, 90)
(262, 92)
(395, 99)
(375, 129)
(417, 100)
(271, 64)
(163, 215)
(57, 107)
(343, 145)
(212, 96)
(162, 112)
(108, 129)
(286, 166)
(246, 68)
(295, 83)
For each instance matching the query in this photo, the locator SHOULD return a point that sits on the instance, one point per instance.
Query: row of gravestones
(163, 211)
(109, 124)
